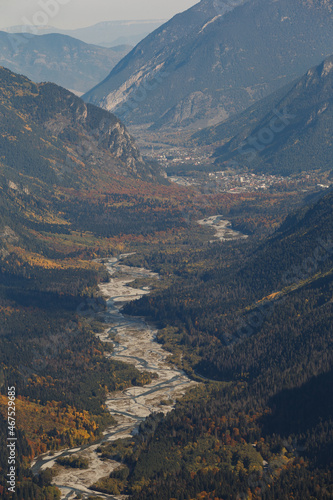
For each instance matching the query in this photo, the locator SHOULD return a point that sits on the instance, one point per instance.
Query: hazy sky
(69, 14)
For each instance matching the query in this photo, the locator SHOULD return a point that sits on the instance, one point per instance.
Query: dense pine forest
(264, 330)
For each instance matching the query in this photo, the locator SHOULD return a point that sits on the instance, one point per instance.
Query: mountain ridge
(302, 143)
(68, 128)
(64, 60)
(104, 34)
(198, 68)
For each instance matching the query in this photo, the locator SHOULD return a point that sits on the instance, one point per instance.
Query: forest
(263, 332)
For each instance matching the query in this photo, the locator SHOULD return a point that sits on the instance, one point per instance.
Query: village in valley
(196, 168)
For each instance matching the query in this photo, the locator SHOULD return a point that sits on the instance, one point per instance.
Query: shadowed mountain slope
(285, 133)
(215, 60)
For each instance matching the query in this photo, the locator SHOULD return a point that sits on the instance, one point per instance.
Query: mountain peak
(73, 138)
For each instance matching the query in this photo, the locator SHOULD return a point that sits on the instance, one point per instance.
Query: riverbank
(222, 228)
(134, 342)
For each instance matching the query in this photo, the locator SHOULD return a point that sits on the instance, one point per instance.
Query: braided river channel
(134, 342)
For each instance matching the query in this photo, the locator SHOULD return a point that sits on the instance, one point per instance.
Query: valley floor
(134, 342)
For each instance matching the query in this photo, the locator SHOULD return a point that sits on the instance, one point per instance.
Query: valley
(166, 253)
(134, 342)
(189, 160)
(236, 181)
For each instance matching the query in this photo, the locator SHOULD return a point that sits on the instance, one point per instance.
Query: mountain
(59, 155)
(253, 316)
(57, 58)
(215, 60)
(104, 34)
(49, 132)
(300, 140)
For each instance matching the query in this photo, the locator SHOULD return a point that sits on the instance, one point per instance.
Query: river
(134, 342)
(222, 228)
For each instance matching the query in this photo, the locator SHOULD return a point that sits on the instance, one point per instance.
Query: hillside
(213, 61)
(47, 130)
(303, 142)
(57, 58)
(221, 296)
(255, 320)
(74, 167)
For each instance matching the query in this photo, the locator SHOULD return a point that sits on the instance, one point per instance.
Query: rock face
(48, 132)
(216, 59)
(96, 128)
(301, 139)
(57, 58)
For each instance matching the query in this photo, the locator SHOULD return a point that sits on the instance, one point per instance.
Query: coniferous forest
(241, 308)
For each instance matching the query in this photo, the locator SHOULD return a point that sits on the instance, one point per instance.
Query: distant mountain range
(287, 132)
(215, 60)
(104, 34)
(61, 59)
(57, 58)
